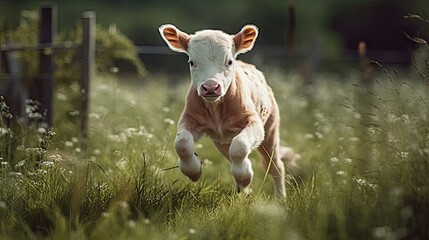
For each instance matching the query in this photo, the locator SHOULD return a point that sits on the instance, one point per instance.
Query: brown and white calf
(229, 101)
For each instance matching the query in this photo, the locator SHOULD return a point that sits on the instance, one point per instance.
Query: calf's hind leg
(242, 170)
(272, 162)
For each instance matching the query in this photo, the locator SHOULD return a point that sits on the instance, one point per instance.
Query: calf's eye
(229, 63)
(191, 63)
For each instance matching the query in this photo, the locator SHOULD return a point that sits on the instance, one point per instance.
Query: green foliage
(116, 46)
(113, 46)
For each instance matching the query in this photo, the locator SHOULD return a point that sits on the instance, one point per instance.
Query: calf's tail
(291, 158)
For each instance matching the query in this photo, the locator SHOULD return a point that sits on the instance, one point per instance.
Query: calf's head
(212, 55)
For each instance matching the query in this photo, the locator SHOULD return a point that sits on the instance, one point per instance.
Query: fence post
(364, 63)
(88, 58)
(44, 83)
(290, 41)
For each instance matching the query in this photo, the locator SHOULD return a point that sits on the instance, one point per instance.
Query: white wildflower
(20, 148)
(20, 163)
(94, 116)
(61, 97)
(47, 163)
(387, 233)
(74, 113)
(318, 135)
(149, 135)
(96, 151)
(114, 69)
(131, 224)
(192, 231)
(392, 139)
(51, 133)
(129, 132)
(404, 155)
(381, 232)
(342, 173)
(3, 205)
(40, 172)
(169, 121)
(123, 204)
(309, 136)
(41, 131)
(364, 183)
(68, 144)
(360, 181)
(114, 137)
(334, 160)
(4, 131)
(56, 158)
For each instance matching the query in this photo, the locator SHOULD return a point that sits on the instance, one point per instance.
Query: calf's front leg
(241, 146)
(190, 164)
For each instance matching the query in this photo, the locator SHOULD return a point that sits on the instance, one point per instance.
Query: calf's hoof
(196, 176)
(243, 185)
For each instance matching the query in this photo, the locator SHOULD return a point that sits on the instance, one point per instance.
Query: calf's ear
(175, 39)
(245, 39)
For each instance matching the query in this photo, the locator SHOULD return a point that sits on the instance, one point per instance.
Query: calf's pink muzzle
(210, 90)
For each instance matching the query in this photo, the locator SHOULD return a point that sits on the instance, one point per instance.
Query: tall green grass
(364, 170)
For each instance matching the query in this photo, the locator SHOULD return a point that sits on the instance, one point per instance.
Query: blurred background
(322, 35)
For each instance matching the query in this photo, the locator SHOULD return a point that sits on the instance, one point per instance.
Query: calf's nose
(211, 87)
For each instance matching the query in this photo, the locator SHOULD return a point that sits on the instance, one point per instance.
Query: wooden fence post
(364, 63)
(44, 83)
(290, 41)
(88, 58)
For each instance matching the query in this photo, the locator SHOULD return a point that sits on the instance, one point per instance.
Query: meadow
(364, 168)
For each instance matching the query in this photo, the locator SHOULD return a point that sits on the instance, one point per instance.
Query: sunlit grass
(363, 175)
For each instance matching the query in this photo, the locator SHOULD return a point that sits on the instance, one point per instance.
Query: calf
(229, 101)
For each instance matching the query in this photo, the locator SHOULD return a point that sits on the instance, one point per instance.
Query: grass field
(364, 169)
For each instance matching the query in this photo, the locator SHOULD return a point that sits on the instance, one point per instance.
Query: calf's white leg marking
(190, 164)
(241, 146)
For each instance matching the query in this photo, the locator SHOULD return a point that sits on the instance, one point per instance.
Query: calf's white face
(212, 56)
